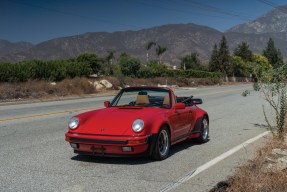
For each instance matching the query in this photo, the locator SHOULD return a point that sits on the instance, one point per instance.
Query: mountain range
(179, 39)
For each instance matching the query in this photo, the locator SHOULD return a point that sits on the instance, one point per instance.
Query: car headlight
(138, 125)
(74, 122)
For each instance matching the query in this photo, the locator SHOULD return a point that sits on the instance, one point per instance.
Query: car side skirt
(195, 133)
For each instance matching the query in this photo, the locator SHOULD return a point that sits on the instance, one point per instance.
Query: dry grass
(255, 176)
(43, 89)
(78, 86)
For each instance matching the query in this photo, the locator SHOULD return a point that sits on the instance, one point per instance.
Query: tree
(272, 83)
(273, 54)
(129, 65)
(148, 46)
(190, 61)
(160, 51)
(91, 60)
(243, 51)
(109, 62)
(214, 62)
(261, 62)
(224, 59)
(240, 67)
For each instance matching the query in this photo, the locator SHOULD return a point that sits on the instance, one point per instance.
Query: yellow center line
(87, 109)
(47, 114)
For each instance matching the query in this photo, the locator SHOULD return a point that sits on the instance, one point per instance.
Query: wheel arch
(206, 115)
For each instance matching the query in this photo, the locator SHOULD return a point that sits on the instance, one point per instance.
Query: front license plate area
(98, 149)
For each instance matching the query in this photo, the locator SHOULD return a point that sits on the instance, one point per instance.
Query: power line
(199, 5)
(208, 7)
(274, 5)
(146, 4)
(72, 14)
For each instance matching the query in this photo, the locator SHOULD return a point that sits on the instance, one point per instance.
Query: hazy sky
(40, 20)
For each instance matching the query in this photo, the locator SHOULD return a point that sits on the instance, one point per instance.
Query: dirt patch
(84, 87)
(261, 173)
(43, 89)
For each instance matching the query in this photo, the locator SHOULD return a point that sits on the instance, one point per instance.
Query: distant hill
(180, 39)
(273, 23)
(7, 47)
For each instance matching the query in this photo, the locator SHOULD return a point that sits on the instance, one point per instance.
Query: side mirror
(179, 106)
(107, 104)
(197, 101)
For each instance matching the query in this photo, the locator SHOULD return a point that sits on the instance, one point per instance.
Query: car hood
(115, 120)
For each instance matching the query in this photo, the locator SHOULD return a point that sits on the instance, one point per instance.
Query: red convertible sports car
(139, 121)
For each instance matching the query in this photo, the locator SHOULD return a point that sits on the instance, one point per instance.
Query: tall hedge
(47, 70)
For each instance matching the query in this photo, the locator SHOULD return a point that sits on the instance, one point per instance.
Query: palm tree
(148, 46)
(160, 51)
(109, 60)
(110, 57)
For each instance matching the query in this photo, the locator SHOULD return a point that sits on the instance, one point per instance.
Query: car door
(179, 121)
(190, 118)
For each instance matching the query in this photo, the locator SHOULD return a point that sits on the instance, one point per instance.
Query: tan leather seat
(166, 100)
(142, 100)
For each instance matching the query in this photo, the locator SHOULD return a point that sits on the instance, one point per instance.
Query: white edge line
(210, 163)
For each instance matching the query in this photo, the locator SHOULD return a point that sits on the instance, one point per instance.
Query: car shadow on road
(179, 147)
(184, 145)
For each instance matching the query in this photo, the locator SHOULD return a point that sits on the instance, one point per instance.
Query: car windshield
(149, 97)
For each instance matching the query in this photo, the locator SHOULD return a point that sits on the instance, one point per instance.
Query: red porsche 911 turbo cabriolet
(139, 121)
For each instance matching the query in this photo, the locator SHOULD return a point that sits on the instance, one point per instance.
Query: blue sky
(40, 20)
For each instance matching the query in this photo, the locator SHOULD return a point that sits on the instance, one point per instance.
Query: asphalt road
(35, 157)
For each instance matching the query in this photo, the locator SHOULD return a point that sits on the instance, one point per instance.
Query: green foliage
(55, 70)
(160, 51)
(245, 93)
(190, 61)
(243, 51)
(145, 72)
(152, 69)
(259, 65)
(273, 54)
(96, 63)
(220, 60)
(117, 72)
(157, 69)
(273, 85)
(6, 71)
(240, 67)
(149, 45)
(213, 62)
(193, 74)
(129, 65)
(107, 68)
(224, 58)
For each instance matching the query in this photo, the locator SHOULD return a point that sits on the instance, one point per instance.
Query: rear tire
(204, 131)
(162, 145)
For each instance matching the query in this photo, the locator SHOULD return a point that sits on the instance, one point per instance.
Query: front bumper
(103, 145)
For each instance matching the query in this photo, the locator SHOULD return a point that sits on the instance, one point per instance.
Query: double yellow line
(46, 114)
(87, 109)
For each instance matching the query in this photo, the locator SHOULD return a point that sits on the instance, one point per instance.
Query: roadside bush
(272, 83)
(193, 74)
(129, 65)
(56, 70)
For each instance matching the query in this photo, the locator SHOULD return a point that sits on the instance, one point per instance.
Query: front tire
(204, 131)
(162, 145)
